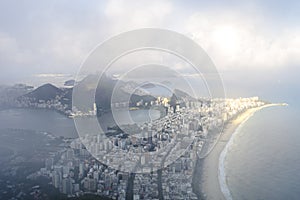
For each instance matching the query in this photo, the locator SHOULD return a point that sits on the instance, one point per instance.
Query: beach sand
(209, 183)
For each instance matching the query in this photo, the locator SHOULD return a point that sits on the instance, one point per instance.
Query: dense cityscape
(176, 141)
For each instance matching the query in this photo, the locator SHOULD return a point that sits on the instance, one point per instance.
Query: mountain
(122, 92)
(106, 88)
(148, 85)
(8, 94)
(48, 93)
(182, 95)
(50, 96)
(69, 83)
(45, 92)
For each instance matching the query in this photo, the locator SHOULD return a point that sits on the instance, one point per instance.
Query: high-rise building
(94, 109)
(55, 179)
(67, 186)
(49, 163)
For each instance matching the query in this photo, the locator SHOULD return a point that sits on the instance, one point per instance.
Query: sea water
(263, 159)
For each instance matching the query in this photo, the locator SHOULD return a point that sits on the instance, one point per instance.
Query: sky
(255, 45)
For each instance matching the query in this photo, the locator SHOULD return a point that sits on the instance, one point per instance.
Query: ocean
(59, 125)
(263, 159)
(38, 120)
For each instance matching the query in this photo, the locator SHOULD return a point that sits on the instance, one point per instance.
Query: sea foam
(221, 172)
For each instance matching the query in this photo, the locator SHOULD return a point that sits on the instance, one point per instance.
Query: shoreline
(210, 172)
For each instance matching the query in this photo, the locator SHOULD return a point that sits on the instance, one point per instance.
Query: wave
(221, 171)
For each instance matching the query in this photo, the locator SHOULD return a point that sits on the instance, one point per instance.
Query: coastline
(210, 173)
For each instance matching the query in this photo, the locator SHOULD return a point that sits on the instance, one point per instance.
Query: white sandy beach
(210, 186)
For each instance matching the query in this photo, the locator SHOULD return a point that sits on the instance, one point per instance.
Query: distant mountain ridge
(45, 92)
(181, 94)
(103, 96)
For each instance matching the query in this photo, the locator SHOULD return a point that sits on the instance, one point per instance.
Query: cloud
(10, 51)
(151, 71)
(124, 15)
(51, 75)
(239, 42)
(49, 37)
(55, 37)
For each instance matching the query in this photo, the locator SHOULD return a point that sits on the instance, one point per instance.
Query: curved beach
(212, 166)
